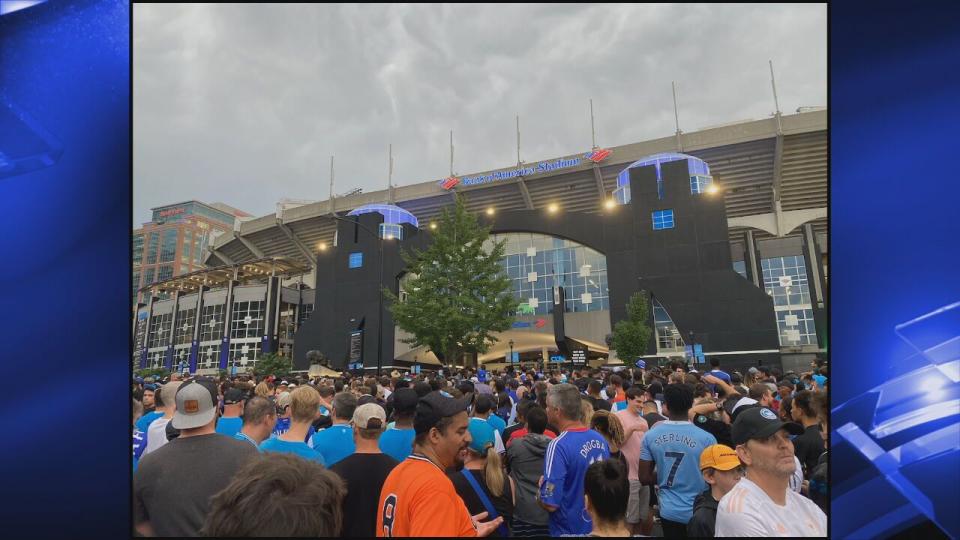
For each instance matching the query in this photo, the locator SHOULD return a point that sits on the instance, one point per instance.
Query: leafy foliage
(156, 373)
(457, 295)
(631, 335)
(273, 364)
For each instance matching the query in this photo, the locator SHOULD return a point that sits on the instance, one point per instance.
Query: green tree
(273, 364)
(156, 373)
(457, 294)
(631, 335)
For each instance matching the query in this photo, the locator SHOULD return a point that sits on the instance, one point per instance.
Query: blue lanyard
(491, 511)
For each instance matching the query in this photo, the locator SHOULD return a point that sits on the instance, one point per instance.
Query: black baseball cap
(735, 404)
(433, 407)
(405, 400)
(759, 423)
(233, 396)
(366, 398)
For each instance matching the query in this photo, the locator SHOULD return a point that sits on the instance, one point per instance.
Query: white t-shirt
(156, 434)
(747, 511)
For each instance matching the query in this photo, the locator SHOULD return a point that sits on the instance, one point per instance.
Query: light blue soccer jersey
(335, 443)
(289, 447)
(497, 423)
(675, 448)
(229, 425)
(397, 443)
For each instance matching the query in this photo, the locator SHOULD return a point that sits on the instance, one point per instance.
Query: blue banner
(224, 352)
(194, 349)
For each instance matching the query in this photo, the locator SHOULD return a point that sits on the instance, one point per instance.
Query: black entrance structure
(686, 266)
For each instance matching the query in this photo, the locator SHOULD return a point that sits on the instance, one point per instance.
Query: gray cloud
(244, 104)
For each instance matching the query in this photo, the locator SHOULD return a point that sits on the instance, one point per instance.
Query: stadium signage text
(595, 156)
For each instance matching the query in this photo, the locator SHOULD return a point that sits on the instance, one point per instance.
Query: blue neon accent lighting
(662, 219)
(699, 183)
(695, 166)
(356, 260)
(392, 215)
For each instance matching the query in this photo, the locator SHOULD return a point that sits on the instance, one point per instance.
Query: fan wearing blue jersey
(336, 442)
(674, 447)
(566, 461)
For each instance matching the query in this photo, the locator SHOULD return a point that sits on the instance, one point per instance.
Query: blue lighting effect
(695, 167)
(356, 260)
(662, 219)
(10, 6)
(393, 215)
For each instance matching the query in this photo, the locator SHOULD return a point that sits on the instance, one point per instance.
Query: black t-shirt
(653, 418)
(502, 504)
(600, 404)
(808, 446)
(322, 423)
(718, 429)
(509, 431)
(364, 475)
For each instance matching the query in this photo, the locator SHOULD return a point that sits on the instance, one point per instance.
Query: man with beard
(418, 499)
(762, 503)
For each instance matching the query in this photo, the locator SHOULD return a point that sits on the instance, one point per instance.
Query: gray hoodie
(525, 463)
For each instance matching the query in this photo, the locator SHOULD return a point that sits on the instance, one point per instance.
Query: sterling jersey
(564, 468)
(747, 511)
(418, 499)
(675, 448)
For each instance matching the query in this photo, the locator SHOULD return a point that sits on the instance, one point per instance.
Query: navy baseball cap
(759, 423)
(433, 407)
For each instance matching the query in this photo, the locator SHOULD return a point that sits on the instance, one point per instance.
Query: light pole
(379, 286)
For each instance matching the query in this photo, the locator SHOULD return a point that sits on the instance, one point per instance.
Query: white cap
(367, 412)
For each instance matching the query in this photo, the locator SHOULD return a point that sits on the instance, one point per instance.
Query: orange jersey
(418, 499)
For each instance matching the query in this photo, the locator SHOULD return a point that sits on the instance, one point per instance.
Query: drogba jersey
(418, 499)
(675, 447)
(564, 468)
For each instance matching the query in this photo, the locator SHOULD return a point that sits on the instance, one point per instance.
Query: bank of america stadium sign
(595, 156)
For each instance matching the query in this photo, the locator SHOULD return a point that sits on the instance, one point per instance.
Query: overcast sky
(245, 104)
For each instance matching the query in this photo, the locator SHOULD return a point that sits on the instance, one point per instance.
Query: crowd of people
(668, 451)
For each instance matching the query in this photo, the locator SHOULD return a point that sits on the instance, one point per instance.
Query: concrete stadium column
(168, 355)
(228, 316)
(751, 260)
(812, 258)
(812, 254)
(271, 313)
(146, 332)
(195, 339)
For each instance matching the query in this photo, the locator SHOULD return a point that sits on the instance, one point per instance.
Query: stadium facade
(725, 228)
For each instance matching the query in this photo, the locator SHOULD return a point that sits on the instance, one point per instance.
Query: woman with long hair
(483, 471)
(607, 424)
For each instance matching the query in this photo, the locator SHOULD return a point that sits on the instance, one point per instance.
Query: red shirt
(523, 431)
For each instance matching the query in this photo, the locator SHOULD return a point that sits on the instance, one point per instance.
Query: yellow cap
(720, 457)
